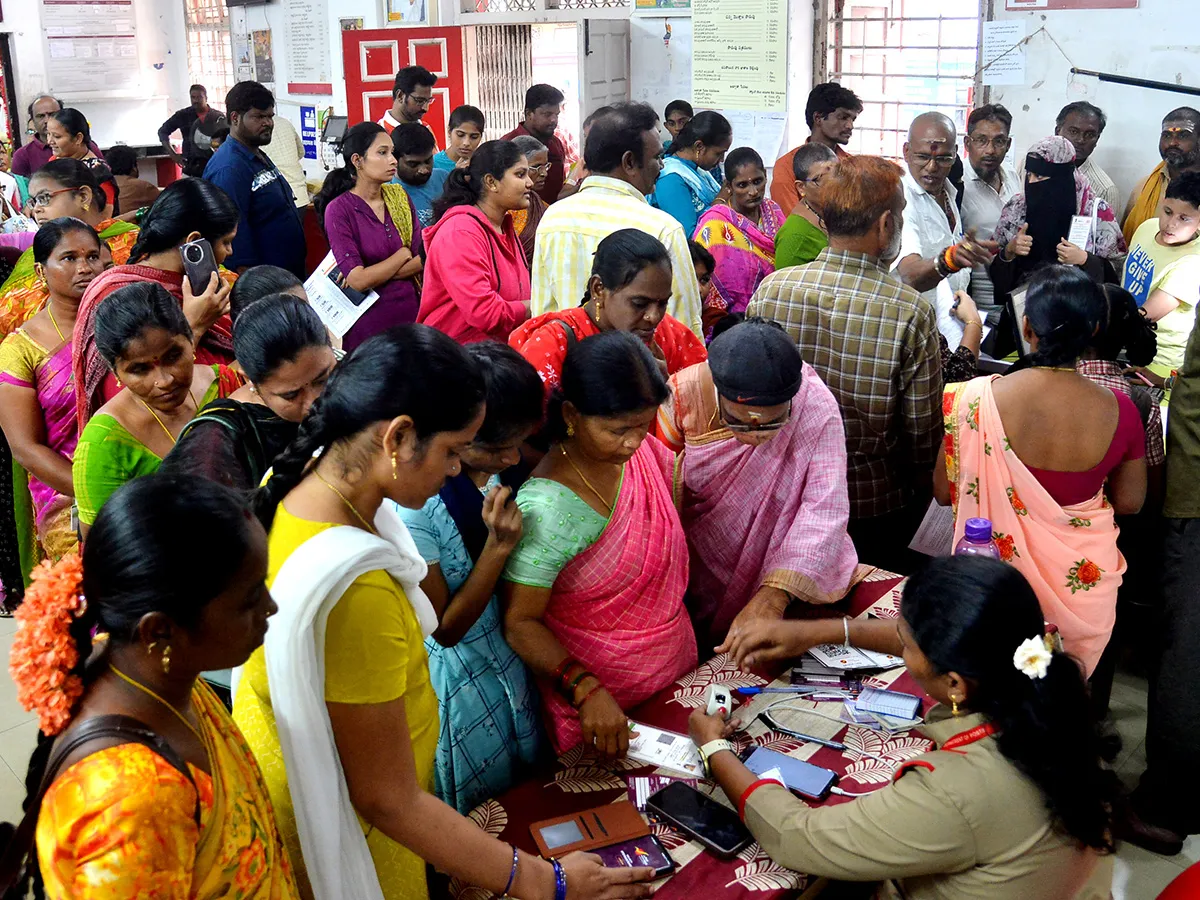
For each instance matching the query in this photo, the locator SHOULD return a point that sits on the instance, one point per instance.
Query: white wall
(1156, 41)
(161, 43)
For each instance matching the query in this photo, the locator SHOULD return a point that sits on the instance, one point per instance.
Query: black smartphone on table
(716, 826)
(638, 853)
(199, 264)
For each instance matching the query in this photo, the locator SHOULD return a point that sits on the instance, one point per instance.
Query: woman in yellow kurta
(173, 806)
(337, 705)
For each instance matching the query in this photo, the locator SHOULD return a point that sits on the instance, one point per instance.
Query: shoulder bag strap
(12, 863)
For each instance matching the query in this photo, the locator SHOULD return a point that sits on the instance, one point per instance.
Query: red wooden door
(371, 60)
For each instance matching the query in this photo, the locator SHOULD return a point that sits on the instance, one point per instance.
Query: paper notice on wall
(761, 130)
(307, 40)
(1003, 61)
(92, 46)
(739, 54)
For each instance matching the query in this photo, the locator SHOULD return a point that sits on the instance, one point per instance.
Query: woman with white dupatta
(337, 705)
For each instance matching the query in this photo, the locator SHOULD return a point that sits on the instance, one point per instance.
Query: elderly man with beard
(1179, 147)
(873, 340)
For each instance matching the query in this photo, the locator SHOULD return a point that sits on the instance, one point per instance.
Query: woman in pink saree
(739, 230)
(1050, 458)
(761, 480)
(37, 392)
(593, 594)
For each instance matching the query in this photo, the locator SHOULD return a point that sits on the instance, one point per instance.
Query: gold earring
(150, 649)
(166, 658)
(570, 430)
(87, 204)
(953, 707)
(395, 475)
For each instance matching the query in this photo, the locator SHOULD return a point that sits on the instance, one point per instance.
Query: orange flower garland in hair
(43, 651)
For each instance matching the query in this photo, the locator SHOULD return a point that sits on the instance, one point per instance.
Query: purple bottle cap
(978, 530)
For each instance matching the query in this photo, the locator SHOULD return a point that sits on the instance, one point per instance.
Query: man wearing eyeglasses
(986, 188)
(936, 257)
(1179, 147)
(412, 95)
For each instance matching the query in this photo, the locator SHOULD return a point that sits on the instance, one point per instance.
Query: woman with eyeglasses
(70, 137)
(593, 593)
(526, 220)
(755, 414)
(629, 291)
(65, 188)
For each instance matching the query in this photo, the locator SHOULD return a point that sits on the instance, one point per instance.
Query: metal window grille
(210, 53)
(498, 6)
(902, 58)
(504, 66)
(588, 4)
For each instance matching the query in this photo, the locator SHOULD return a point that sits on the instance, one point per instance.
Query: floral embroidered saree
(120, 824)
(1068, 554)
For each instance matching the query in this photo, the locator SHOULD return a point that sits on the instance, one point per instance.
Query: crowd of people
(607, 416)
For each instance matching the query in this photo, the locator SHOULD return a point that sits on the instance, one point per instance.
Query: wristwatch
(711, 748)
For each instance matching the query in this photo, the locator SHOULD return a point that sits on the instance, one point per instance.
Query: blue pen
(798, 689)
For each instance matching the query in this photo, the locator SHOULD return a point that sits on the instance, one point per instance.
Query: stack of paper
(893, 704)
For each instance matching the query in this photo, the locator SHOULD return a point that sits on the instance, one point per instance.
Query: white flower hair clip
(1033, 656)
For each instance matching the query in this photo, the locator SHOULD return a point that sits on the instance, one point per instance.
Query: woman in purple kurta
(374, 232)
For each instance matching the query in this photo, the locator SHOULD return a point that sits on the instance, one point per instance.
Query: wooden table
(579, 779)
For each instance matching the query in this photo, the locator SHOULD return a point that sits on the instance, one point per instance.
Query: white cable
(834, 789)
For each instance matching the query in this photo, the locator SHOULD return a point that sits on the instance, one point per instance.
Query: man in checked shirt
(874, 342)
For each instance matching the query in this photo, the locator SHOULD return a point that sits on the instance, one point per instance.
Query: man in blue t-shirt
(414, 148)
(269, 230)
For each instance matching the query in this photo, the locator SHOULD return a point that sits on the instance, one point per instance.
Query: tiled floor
(1140, 875)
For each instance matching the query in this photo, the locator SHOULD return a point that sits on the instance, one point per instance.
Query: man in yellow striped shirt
(624, 157)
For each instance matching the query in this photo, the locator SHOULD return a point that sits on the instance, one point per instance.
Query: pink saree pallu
(1068, 554)
(617, 607)
(771, 515)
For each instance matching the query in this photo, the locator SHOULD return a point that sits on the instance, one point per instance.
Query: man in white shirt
(986, 188)
(1082, 123)
(935, 256)
(623, 155)
(286, 150)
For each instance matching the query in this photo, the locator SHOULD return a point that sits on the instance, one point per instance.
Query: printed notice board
(739, 54)
(91, 45)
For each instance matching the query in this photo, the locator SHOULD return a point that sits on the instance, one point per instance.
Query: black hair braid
(81, 633)
(289, 466)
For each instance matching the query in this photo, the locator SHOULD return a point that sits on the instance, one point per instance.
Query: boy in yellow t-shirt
(1162, 270)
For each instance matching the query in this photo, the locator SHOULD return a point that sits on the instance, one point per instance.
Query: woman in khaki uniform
(1013, 805)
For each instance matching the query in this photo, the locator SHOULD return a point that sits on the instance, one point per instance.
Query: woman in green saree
(144, 337)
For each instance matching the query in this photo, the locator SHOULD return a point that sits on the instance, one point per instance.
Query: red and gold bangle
(563, 666)
(949, 259)
(584, 699)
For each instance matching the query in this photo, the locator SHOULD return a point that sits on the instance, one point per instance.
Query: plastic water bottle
(977, 540)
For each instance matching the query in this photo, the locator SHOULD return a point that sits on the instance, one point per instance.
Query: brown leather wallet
(587, 830)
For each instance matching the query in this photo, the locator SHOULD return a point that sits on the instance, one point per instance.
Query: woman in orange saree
(152, 789)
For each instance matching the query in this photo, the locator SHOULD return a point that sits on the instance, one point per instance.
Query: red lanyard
(978, 733)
